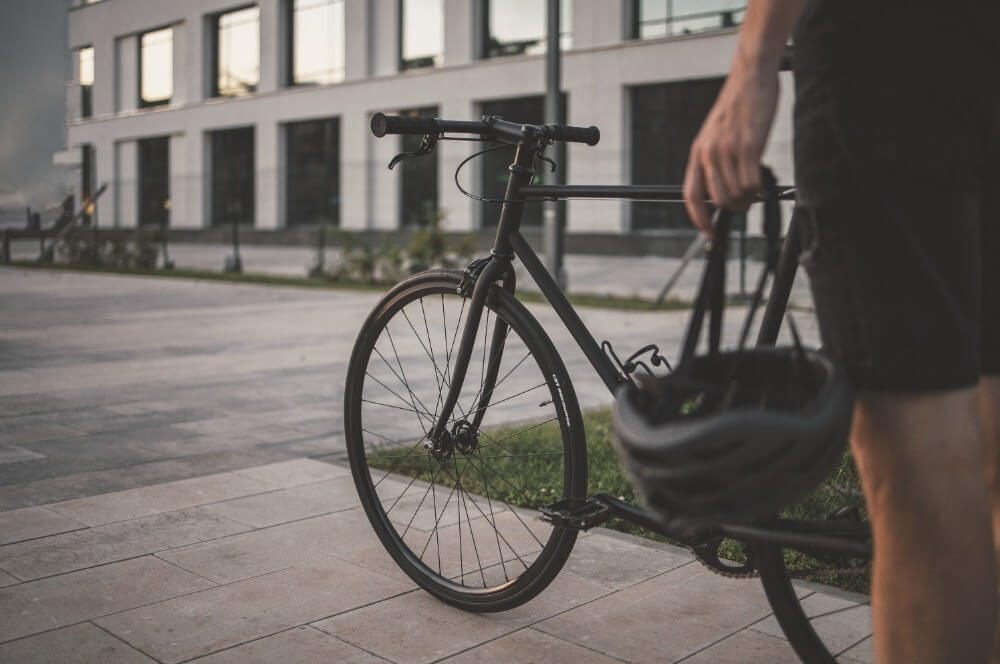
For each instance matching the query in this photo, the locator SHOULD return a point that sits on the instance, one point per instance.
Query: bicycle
(407, 478)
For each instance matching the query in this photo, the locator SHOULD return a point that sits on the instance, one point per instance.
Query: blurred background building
(198, 113)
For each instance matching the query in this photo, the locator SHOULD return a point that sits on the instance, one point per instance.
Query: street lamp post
(555, 211)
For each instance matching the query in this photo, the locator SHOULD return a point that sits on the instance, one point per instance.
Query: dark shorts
(897, 154)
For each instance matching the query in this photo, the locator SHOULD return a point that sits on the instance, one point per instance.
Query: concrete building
(203, 112)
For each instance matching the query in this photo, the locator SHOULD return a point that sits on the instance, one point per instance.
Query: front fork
(496, 269)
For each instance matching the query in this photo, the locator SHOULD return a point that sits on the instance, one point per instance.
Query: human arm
(725, 157)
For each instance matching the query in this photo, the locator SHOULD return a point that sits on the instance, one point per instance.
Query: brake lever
(426, 147)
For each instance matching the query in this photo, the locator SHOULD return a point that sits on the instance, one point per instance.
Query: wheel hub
(463, 437)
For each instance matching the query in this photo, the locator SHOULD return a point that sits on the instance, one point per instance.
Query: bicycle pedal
(576, 513)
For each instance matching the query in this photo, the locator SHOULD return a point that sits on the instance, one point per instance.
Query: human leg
(933, 597)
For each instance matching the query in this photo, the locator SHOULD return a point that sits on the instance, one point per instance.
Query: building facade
(198, 113)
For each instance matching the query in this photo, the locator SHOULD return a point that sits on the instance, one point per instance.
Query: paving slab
(293, 504)
(666, 618)
(90, 483)
(159, 498)
(205, 622)
(529, 646)
(15, 454)
(862, 653)
(294, 472)
(39, 606)
(300, 645)
(746, 646)
(417, 628)
(841, 623)
(7, 580)
(80, 549)
(258, 552)
(84, 643)
(32, 522)
(645, 559)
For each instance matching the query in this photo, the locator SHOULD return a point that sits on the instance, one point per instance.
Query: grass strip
(625, 303)
(539, 483)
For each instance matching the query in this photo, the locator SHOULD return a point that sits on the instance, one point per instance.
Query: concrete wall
(597, 74)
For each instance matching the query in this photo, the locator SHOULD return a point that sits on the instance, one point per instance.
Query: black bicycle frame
(841, 537)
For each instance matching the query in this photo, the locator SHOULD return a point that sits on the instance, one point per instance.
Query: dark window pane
(662, 18)
(419, 194)
(422, 33)
(493, 165)
(86, 56)
(88, 161)
(518, 26)
(154, 180)
(237, 65)
(665, 119)
(232, 176)
(317, 42)
(313, 172)
(156, 67)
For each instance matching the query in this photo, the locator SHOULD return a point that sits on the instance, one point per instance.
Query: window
(154, 180)
(313, 173)
(516, 27)
(156, 67)
(493, 165)
(665, 119)
(237, 53)
(317, 42)
(418, 200)
(232, 176)
(88, 178)
(86, 56)
(665, 18)
(422, 33)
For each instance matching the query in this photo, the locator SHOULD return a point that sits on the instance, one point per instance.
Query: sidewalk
(642, 276)
(173, 488)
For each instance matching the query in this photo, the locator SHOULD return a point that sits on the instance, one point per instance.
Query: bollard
(5, 248)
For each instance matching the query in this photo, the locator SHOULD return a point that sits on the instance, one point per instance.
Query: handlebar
(488, 127)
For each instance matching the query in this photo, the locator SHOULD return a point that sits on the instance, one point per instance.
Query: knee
(921, 454)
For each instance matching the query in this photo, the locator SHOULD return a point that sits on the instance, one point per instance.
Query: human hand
(725, 157)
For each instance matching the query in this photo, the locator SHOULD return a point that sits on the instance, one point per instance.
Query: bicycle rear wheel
(826, 618)
(460, 520)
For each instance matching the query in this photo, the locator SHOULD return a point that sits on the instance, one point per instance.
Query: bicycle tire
(796, 624)
(448, 586)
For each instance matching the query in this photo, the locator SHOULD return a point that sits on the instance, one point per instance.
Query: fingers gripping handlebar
(382, 124)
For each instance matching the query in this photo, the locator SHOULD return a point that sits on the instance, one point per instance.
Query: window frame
(669, 19)
(290, 203)
(143, 103)
(404, 64)
(289, 73)
(485, 31)
(86, 91)
(214, 24)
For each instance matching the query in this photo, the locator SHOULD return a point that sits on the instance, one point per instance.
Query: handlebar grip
(383, 124)
(589, 135)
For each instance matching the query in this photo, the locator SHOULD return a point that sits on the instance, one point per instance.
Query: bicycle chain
(747, 571)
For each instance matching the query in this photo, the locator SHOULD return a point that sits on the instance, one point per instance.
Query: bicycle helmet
(739, 434)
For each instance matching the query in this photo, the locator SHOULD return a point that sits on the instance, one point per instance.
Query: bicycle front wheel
(460, 520)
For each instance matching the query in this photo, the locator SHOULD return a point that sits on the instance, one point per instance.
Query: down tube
(602, 365)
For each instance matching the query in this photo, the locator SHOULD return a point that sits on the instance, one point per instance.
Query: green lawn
(535, 485)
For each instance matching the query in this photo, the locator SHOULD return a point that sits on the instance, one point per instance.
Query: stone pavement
(173, 487)
(642, 276)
